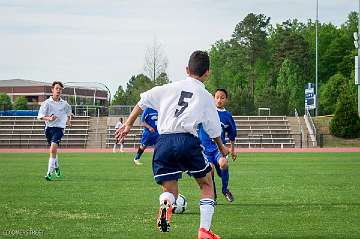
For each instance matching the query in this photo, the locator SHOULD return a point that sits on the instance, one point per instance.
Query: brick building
(36, 92)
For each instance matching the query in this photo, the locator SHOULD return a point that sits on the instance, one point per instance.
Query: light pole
(357, 80)
(357, 63)
(316, 58)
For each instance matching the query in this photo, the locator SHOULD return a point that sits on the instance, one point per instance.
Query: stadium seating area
(263, 132)
(28, 132)
(131, 141)
(252, 132)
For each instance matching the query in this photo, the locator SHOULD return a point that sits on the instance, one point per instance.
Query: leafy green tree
(336, 49)
(162, 79)
(333, 57)
(330, 92)
(5, 102)
(136, 86)
(288, 43)
(119, 97)
(290, 88)
(251, 34)
(21, 103)
(268, 98)
(346, 121)
(327, 34)
(266, 66)
(229, 71)
(346, 30)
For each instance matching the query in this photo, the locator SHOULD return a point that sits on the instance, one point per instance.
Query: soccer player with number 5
(182, 107)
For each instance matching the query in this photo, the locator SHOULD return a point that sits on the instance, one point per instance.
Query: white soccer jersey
(61, 109)
(182, 106)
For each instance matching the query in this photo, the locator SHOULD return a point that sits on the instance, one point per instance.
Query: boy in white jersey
(56, 113)
(182, 106)
(117, 126)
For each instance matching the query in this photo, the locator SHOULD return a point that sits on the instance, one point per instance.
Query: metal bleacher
(28, 132)
(263, 132)
(132, 140)
(252, 132)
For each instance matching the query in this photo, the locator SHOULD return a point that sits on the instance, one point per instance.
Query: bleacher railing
(311, 126)
(301, 129)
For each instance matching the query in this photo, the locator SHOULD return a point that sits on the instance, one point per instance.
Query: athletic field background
(103, 195)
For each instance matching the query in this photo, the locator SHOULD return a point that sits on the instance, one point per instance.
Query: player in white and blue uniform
(182, 106)
(150, 133)
(56, 113)
(210, 149)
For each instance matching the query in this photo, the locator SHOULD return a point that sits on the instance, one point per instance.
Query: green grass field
(103, 195)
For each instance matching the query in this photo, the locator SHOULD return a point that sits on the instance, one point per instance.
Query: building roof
(21, 82)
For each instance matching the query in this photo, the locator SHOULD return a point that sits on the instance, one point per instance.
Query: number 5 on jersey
(182, 102)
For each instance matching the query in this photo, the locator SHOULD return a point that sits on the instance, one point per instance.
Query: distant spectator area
(36, 92)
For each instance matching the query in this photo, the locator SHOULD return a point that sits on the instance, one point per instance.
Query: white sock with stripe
(56, 162)
(51, 165)
(167, 196)
(207, 208)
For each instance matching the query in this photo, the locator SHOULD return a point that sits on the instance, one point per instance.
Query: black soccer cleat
(57, 172)
(48, 177)
(228, 195)
(163, 221)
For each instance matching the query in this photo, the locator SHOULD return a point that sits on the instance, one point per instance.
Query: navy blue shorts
(149, 138)
(177, 153)
(54, 135)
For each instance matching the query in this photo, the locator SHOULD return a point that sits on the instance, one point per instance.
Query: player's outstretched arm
(121, 132)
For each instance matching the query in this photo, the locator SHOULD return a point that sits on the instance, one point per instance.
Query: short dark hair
(57, 83)
(223, 90)
(199, 63)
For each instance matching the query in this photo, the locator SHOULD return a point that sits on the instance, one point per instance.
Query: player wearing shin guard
(56, 113)
(150, 133)
(220, 164)
(182, 106)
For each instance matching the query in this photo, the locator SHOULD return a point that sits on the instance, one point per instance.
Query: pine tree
(346, 121)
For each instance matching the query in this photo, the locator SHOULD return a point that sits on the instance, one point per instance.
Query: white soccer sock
(167, 196)
(56, 165)
(207, 208)
(51, 165)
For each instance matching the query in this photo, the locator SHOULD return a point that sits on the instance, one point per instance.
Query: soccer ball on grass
(180, 204)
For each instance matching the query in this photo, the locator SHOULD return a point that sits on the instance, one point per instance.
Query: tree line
(268, 66)
(265, 65)
(6, 103)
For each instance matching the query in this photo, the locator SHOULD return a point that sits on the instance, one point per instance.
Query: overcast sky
(105, 40)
